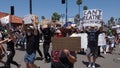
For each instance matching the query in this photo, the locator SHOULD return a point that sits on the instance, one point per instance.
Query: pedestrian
(37, 39)
(30, 32)
(62, 58)
(10, 49)
(111, 38)
(47, 34)
(92, 47)
(102, 43)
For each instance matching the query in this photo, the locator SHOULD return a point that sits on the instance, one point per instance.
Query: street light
(66, 2)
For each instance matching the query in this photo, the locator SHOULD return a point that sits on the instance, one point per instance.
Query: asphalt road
(105, 61)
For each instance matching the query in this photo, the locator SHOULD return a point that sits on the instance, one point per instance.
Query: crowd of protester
(27, 37)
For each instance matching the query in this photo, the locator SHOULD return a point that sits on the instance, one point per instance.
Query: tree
(109, 24)
(112, 21)
(42, 17)
(56, 16)
(85, 8)
(76, 19)
(79, 2)
(118, 20)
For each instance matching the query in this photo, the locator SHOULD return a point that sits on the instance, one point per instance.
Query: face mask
(28, 33)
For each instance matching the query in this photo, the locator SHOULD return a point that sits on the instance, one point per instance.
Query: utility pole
(66, 2)
(66, 10)
(30, 5)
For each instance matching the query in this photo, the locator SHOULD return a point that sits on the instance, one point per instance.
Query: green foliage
(85, 8)
(79, 2)
(42, 17)
(56, 16)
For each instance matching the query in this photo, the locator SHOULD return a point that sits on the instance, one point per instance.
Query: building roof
(14, 19)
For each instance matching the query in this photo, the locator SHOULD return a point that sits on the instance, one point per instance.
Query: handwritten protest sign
(70, 43)
(94, 14)
(92, 17)
(5, 20)
(28, 19)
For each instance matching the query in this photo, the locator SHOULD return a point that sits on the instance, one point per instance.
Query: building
(14, 20)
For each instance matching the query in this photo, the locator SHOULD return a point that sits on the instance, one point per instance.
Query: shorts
(29, 58)
(93, 51)
(104, 46)
(112, 45)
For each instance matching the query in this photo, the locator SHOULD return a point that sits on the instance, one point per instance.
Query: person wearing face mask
(92, 47)
(31, 47)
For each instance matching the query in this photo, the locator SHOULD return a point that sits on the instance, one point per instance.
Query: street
(105, 61)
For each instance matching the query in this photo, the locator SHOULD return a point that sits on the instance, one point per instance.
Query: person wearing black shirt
(31, 47)
(92, 49)
(37, 39)
(10, 49)
(47, 34)
(10, 54)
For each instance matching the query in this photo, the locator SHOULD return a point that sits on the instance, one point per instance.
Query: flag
(5, 20)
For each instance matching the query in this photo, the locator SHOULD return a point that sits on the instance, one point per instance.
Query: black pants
(38, 50)
(99, 51)
(46, 46)
(10, 60)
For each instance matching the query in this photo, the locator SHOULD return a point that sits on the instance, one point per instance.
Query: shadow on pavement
(39, 58)
(86, 63)
(101, 56)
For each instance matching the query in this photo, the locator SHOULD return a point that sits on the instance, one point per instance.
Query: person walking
(31, 47)
(47, 34)
(37, 39)
(111, 38)
(92, 47)
(10, 49)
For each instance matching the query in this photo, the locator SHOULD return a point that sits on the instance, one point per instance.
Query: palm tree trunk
(79, 12)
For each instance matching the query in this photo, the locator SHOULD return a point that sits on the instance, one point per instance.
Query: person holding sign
(31, 47)
(62, 58)
(92, 47)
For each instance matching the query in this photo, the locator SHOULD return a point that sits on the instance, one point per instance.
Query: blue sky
(48, 7)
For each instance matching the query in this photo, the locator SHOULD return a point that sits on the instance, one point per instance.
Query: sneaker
(89, 65)
(104, 52)
(93, 66)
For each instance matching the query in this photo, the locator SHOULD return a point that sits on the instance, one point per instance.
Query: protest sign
(92, 17)
(28, 19)
(70, 43)
(5, 20)
(94, 14)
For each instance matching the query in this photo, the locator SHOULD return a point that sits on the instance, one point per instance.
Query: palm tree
(85, 8)
(112, 21)
(79, 2)
(109, 24)
(118, 20)
(76, 19)
(42, 17)
(56, 16)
